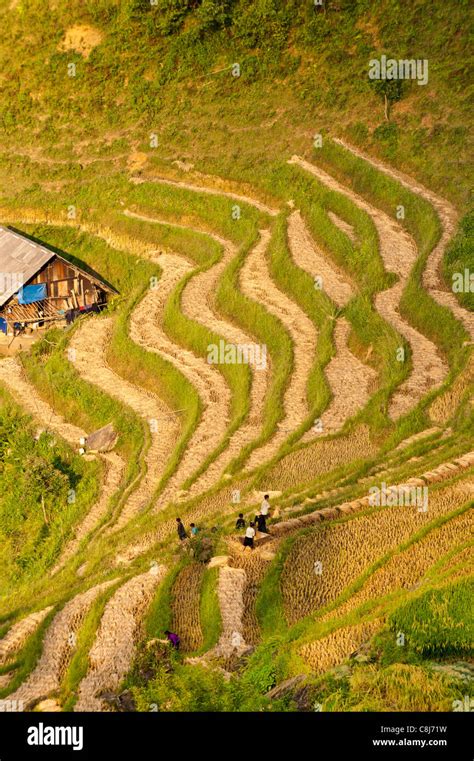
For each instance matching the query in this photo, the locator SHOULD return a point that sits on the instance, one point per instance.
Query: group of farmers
(258, 524)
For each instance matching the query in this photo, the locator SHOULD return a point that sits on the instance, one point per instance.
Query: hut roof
(21, 259)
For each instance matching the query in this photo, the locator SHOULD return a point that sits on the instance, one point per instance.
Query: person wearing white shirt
(265, 506)
(249, 536)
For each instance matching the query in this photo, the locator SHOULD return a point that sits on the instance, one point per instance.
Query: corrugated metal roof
(20, 260)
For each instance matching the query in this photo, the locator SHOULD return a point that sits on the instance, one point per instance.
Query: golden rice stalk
(406, 569)
(255, 569)
(445, 405)
(307, 463)
(321, 565)
(186, 606)
(465, 556)
(325, 653)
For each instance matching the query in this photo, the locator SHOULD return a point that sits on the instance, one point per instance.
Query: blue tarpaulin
(31, 293)
(3, 325)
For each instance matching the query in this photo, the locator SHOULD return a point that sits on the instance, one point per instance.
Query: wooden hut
(38, 286)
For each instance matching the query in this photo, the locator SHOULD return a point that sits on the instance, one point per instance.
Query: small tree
(45, 483)
(391, 92)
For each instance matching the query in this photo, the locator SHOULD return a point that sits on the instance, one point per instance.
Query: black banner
(136, 735)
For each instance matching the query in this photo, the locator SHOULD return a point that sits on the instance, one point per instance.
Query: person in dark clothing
(261, 522)
(240, 522)
(181, 530)
(173, 639)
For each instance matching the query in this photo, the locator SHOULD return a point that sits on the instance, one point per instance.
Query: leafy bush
(214, 14)
(177, 687)
(264, 24)
(43, 490)
(267, 666)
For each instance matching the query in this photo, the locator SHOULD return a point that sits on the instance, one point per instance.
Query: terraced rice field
(346, 550)
(327, 652)
(405, 569)
(312, 405)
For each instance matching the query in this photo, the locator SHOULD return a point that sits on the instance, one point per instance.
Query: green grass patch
(209, 609)
(439, 623)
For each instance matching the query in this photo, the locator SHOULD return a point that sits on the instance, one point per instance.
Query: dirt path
(17, 635)
(13, 377)
(256, 283)
(432, 279)
(346, 228)
(350, 380)
(399, 253)
(230, 591)
(197, 303)
(89, 345)
(307, 256)
(146, 330)
(111, 655)
(58, 647)
(417, 437)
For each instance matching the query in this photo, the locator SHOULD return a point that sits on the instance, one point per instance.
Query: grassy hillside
(165, 69)
(229, 167)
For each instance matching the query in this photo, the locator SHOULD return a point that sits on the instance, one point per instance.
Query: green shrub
(177, 687)
(440, 622)
(44, 489)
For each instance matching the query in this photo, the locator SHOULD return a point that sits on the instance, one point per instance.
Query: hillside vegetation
(232, 171)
